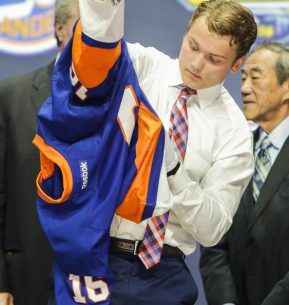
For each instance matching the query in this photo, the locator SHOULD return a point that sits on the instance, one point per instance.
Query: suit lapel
(278, 172)
(41, 86)
(248, 194)
(248, 199)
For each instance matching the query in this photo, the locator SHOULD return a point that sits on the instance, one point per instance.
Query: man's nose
(246, 87)
(197, 62)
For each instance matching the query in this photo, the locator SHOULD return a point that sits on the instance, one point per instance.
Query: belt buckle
(136, 243)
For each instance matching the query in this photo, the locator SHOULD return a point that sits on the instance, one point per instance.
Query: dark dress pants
(168, 283)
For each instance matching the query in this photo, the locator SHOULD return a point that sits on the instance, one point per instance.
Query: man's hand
(6, 298)
(171, 157)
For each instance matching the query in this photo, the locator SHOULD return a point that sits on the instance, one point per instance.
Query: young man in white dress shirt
(218, 162)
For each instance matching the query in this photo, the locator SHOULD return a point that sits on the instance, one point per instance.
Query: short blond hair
(229, 18)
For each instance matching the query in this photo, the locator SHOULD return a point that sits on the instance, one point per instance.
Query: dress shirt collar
(277, 137)
(204, 96)
(57, 57)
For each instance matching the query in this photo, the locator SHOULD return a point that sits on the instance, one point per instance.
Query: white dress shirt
(219, 157)
(218, 163)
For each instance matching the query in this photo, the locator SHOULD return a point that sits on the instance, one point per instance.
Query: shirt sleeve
(206, 209)
(102, 20)
(96, 42)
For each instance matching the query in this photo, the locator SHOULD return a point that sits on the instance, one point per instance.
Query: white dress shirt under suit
(277, 137)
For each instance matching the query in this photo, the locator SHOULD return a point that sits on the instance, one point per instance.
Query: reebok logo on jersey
(84, 174)
(115, 2)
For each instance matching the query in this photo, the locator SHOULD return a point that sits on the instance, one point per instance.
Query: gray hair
(64, 10)
(282, 61)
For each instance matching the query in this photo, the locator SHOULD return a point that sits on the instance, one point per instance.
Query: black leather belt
(132, 247)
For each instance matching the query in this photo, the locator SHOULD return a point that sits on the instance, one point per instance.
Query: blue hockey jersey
(101, 149)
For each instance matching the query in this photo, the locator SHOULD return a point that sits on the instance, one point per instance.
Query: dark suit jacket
(25, 256)
(250, 266)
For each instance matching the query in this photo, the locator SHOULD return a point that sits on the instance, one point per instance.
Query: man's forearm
(102, 20)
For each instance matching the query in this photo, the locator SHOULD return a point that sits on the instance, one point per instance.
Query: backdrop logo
(273, 25)
(272, 17)
(26, 26)
(190, 4)
(253, 3)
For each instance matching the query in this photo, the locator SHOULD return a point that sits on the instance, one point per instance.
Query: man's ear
(58, 31)
(238, 63)
(285, 86)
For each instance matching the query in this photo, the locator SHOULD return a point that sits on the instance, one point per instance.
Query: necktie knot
(186, 91)
(266, 143)
(263, 152)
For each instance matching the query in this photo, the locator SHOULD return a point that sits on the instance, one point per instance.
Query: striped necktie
(179, 129)
(262, 167)
(151, 248)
